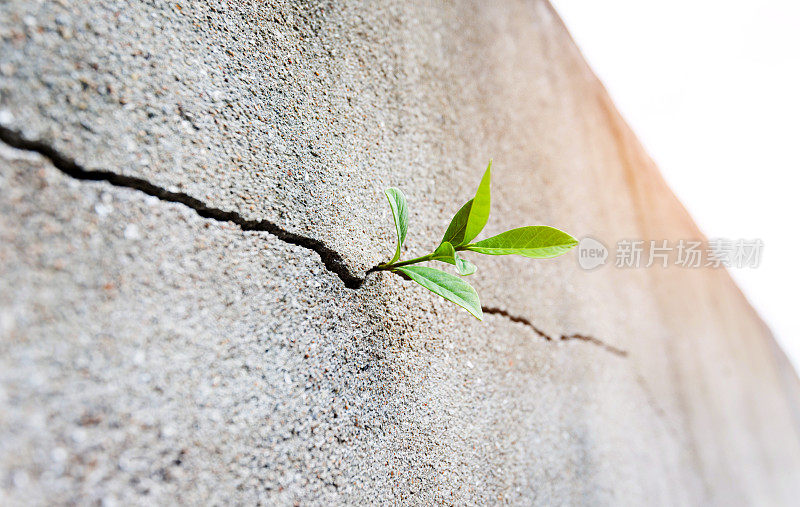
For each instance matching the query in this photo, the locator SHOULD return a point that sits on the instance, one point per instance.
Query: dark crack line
(581, 337)
(516, 318)
(654, 406)
(591, 339)
(330, 258)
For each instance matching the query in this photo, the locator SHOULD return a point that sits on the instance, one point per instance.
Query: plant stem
(387, 266)
(405, 263)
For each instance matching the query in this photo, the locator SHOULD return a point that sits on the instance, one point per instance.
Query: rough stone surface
(149, 355)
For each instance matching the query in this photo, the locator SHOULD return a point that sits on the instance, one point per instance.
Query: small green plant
(535, 241)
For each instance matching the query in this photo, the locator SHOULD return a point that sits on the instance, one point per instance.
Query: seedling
(534, 241)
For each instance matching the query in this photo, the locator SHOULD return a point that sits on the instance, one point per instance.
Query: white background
(712, 89)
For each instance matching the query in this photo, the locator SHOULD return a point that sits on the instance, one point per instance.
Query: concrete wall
(190, 199)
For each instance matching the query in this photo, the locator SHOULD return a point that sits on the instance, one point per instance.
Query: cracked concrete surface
(247, 378)
(564, 337)
(331, 259)
(198, 345)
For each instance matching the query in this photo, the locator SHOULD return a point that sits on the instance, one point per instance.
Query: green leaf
(397, 201)
(536, 241)
(446, 285)
(472, 217)
(458, 225)
(465, 267)
(446, 253)
(479, 213)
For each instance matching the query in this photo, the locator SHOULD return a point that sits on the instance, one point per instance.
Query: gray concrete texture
(152, 352)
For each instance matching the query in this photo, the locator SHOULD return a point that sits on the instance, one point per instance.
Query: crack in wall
(660, 413)
(332, 260)
(516, 318)
(581, 337)
(594, 341)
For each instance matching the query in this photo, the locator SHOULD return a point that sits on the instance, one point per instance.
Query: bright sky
(712, 89)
